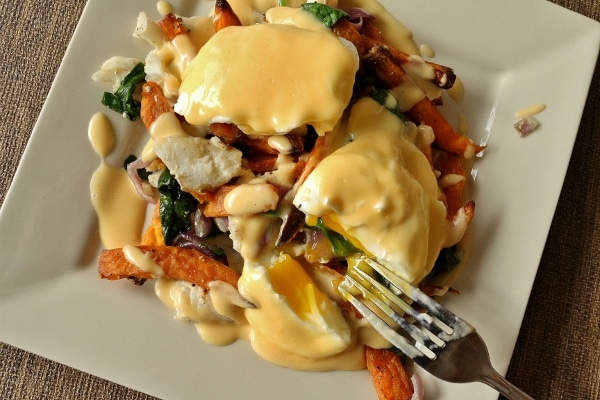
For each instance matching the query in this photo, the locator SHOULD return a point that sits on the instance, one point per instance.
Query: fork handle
(504, 387)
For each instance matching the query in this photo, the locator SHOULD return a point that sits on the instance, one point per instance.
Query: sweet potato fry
(214, 201)
(372, 31)
(171, 26)
(255, 146)
(425, 112)
(154, 103)
(224, 16)
(344, 29)
(153, 235)
(177, 263)
(444, 77)
(173, 29)
(379, 60)
(298, 169)
(318, 153)
(233, 136)
(386, 63)
(370, 43)
(454, 164)
(261, 163)
(388, 375)
(228, 133)
(261, 144)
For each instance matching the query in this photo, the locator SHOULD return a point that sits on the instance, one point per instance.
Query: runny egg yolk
(292, 314)
(289, 279)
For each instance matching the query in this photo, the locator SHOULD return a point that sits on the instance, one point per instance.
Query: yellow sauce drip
(530, 111)
(121, 211)
(143, 261)
(457, 91)
(248, 199)
(427, 50)
(164, 7)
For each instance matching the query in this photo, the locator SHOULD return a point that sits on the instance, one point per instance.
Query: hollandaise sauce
(298, 76)
(282, 313)
(121, 211)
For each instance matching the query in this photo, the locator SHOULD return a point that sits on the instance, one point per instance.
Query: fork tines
(412, 321)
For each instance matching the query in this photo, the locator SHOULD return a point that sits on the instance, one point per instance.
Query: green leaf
(326, 14)
(122, 100)
(272, 213)
(217, 250)
(446, 261)
(166, 181)
(341, 245)
(387, 99)
(175, 206)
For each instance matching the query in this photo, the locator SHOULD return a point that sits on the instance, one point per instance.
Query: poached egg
(380, 191)
(270, 78)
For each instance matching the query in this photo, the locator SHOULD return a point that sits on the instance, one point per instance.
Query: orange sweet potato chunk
(388, 375)
(177, 263)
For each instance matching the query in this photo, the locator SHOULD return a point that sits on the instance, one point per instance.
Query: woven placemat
(557, 355)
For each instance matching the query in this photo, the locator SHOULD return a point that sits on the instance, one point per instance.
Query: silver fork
(437, 340)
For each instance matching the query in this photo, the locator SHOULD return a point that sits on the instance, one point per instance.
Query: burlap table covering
(558, 351)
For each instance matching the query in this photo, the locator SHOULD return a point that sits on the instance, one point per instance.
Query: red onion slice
(356, 16)
(418, 387)
(189, 240)
(143, 188)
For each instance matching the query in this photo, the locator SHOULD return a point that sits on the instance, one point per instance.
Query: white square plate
(509, 54)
